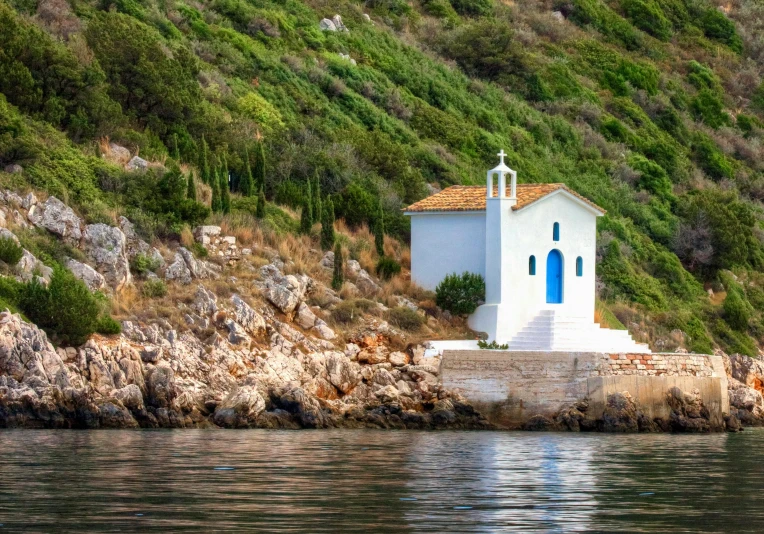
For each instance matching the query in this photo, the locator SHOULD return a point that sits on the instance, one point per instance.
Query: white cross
(501, 155)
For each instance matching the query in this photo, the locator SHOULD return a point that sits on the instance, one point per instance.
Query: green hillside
(653, 109)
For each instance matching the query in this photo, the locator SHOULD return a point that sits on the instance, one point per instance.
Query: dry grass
(186, 237)
(124, 302)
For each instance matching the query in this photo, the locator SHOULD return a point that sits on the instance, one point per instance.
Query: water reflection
(363, 481)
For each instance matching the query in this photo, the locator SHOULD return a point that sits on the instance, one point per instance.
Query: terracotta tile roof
(472, 198)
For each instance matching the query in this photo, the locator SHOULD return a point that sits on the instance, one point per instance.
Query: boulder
(14, 168)
(136, 245)
(245, 315)
(620, 414)
(113, 416)
(327, 261)
(92, 278)
(130, 396)
(240, 408)
(205, 302)
(7, 234)
(137, 164)
(338, 24)
(56, 217)
(236, 333)
(366, 17)
(106, 246)
(284, 292)
(327, 25)
(29, 266)
(398, 359)
(387, 394)
(342, 373)
(160, 385)
(118, 153)
(178, 270)
(366, 284)
(29, 201)
(305, 316)
(323, 331)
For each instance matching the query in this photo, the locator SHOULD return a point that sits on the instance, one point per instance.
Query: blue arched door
(554, 277)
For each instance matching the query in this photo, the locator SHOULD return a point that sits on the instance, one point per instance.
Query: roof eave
(591, 207)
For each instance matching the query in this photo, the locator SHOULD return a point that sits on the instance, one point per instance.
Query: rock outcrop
(106, 247)
(58, 218)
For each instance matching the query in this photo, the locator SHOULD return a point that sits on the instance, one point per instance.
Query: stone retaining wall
(668, 364)
(510, 387)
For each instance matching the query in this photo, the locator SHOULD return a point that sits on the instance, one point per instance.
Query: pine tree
(379, 231)
(327, 225)
(246, 185)
(261, 203)
(259, 172)
(216, 204)
(338, 277)
(225, 191)
(317, 208)
(191, 187)
(306, 217)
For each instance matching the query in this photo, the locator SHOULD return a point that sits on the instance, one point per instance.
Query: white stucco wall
(445, 243)
(531, 234)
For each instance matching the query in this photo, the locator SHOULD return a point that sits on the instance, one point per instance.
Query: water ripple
(364, 481)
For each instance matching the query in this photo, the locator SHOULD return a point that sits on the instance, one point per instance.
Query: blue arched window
(556, 232)
(532, 265)
(579, 266)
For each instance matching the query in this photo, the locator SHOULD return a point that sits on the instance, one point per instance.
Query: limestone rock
(204, 234)
(305, 316)
(620, 413)
(353, 268)
(398, 359)
(136, 245)
(119, 153)
(323, 331)
(387, 394)
(236, 333)
(92, 278)
(366, 17)
(106, 246)
(160, 384)
(342, 373)
(366, 284)
(245, 315)
(205, 302)
(327, 261)
(29, 201)
(137, 164)
(337, 20)
(178, 270)
(327, 25)
(240, 408)
(284, 292)
(7, 234)
(56, 217)
(130, 396)
(29, 266)
(14, 168)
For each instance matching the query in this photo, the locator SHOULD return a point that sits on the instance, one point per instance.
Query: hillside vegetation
(652, 109)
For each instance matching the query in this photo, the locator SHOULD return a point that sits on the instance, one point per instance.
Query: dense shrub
(66, 308)
(387, 267)
(10, 251)
(707, 107)
(472, 7)
(460, 294)
(405, 318)
(716, 25)
(108, 326)
(154, 289)
(648, 16)
(142, 264)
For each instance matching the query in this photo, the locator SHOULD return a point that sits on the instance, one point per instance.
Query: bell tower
(493, 316)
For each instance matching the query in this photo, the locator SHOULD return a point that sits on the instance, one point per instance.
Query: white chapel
(535, 246)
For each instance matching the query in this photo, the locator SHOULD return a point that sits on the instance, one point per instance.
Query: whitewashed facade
(535, 246)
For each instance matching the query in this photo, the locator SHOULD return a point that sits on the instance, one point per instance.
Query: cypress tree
(216, 204)
(261, 203)
(306, 217)
(338, 277)
(317, 209)
(225, 192)
(246, 185)
(176, 149)
(204, 163)
(191, 187)
(379, 231)
(327, 225)
(259, 173)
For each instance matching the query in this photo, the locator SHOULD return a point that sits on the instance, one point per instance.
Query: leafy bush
(737, 310)
(143, 264)
(708, 108)
(484, 345)
(154, 289)
(108, 326)
(460, 294)
(648, 17)
(199, 250)
(405, 318)
(472, 8)
(66, 308)
(716, 25)
(387, 267)
(10, 251)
